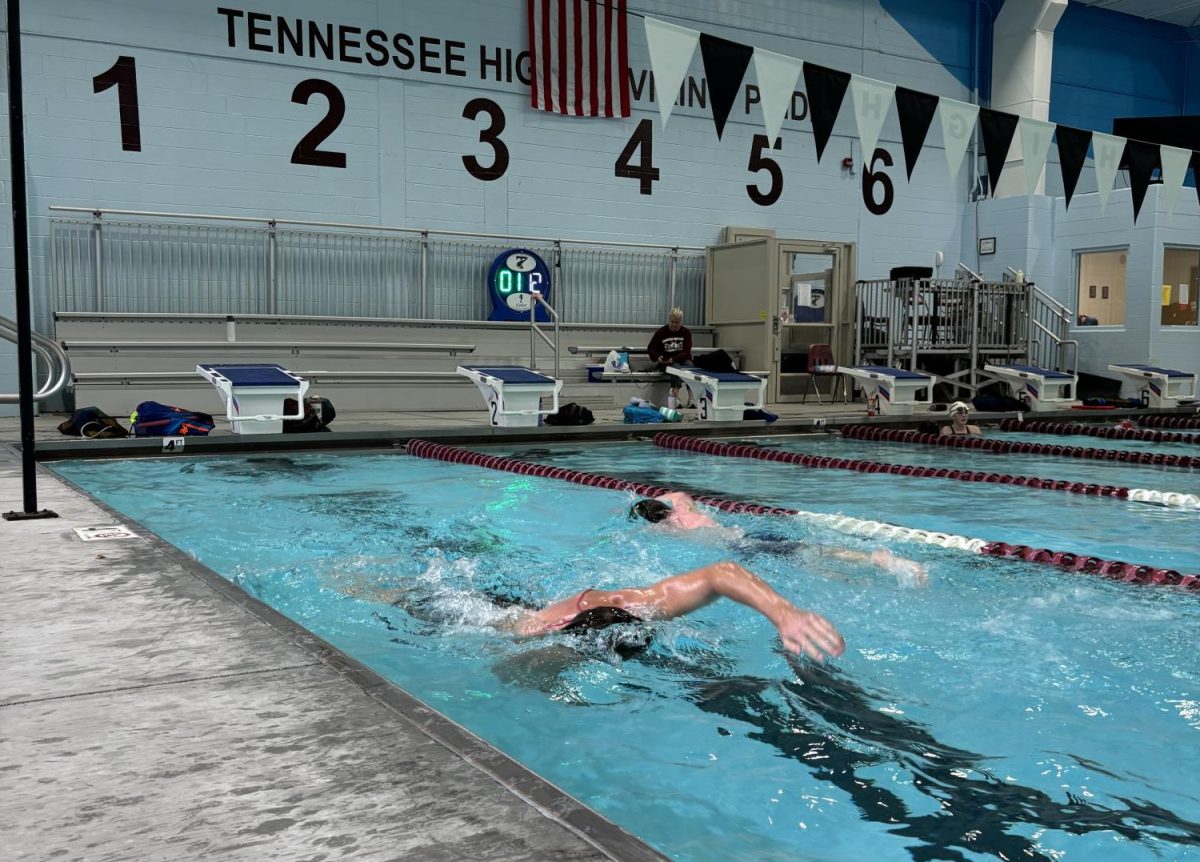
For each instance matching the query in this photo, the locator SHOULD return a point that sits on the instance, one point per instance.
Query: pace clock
(513, 277)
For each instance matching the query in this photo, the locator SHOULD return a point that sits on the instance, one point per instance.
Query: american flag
(580, 51)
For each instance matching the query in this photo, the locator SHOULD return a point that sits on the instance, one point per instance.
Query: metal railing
(1049, 327)
(534, 329)
(141, 261)
(58, 366)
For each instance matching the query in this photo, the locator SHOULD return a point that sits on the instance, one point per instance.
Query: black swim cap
(651, 510)
(626, 641)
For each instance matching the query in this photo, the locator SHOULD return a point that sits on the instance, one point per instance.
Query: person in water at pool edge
(960, 426)
(801, 631)
(679, 511)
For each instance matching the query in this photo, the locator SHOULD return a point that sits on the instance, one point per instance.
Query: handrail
(1064, 312)
(971, 274)
(413, 347)
(535, 329)
(86, 377)
(96, 212)
(57, 363)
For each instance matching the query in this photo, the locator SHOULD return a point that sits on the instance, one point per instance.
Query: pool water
(1006, 711)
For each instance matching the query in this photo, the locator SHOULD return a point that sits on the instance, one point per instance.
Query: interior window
(1180, 286)
(1102, 287)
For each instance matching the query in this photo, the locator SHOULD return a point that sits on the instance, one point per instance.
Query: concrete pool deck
(151, 710)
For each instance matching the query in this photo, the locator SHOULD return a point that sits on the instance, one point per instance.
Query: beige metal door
(813, 283)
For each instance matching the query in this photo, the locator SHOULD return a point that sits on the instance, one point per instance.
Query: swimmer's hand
(808, 633)
(909, 573)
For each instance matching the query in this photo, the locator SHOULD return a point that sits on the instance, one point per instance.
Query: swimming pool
(1006, 711)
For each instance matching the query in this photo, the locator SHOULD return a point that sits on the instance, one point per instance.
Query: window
(1180, 286)
(1101, 287)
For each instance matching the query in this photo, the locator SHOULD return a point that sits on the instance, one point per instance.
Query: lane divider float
(1067, 428)
(1005, 447)
(1169, 421)
(1115, 569)
(668, 440)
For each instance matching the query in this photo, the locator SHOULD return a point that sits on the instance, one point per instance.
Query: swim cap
(652, 510)
(625, 641)
(960, 405)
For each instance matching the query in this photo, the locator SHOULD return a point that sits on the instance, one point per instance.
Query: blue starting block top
(254, 375)
(1154, 369)
(898, 373)
(1048, 373)
(509, 373)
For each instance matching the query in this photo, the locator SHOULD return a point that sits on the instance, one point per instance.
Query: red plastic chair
(821, 356)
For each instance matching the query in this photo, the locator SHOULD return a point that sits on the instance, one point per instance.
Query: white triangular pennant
(872, 101)
(958, 123)
(671, 49)
(777, 76)
(1174, 169)
(1035, 144)
(1106, 152)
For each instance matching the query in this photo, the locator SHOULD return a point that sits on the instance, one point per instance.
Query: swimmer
(801, 631)
(959, 426)
(679, 511)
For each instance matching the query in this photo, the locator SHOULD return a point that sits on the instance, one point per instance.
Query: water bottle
(672, 401)
(669, 415)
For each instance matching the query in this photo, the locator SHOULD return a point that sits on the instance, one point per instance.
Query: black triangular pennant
(1141, 158)
(915, 110)
(1196, 173)
(825, 88)
(997, 129)
(725, 64)
(1072, 153)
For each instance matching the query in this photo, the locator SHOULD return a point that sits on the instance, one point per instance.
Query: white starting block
(722, 394)
(1165, 386)
(513, 393)
(895, 388)
(1043, 388)
(254, 395)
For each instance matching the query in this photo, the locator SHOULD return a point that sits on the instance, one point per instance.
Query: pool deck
(151, 710)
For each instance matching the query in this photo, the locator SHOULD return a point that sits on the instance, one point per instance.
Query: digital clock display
(512, 279)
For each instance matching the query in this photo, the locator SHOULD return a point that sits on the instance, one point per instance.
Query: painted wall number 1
(123, 74)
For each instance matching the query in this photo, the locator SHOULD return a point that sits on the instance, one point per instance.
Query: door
(813, 284)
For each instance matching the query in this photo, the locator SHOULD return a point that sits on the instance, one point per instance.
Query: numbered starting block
(1165, 387)
(1043, 388)
(254, 395)
(722, 396)
(896, 389)
(513, 393)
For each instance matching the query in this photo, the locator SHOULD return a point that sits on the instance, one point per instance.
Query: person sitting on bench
(671, 345)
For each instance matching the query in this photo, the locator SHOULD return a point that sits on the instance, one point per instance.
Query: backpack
(314, 419)
(718, 360)
(92, 422)
(571, 414)
(152, 419)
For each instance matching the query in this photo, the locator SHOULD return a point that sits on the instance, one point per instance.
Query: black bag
(571, 414)
(94, 423)
(998, 403)
(718, 361)
(316, 416)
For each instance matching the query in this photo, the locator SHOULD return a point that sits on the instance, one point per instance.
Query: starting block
(1043, 388)
(254, 395)
(895, 388)
(1165, 386)
(513, 393)
(722, 394)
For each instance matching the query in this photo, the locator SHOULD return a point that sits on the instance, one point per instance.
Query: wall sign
(513, 276)
(987, 245)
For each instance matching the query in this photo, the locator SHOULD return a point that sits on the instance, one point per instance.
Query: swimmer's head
(651, 510)
(625, 641)
(960, 407)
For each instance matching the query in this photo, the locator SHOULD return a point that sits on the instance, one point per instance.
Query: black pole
(20, 227)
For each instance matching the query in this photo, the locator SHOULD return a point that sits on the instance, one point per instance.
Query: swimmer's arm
(944, 431)
(801, 631)
(911, 572)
